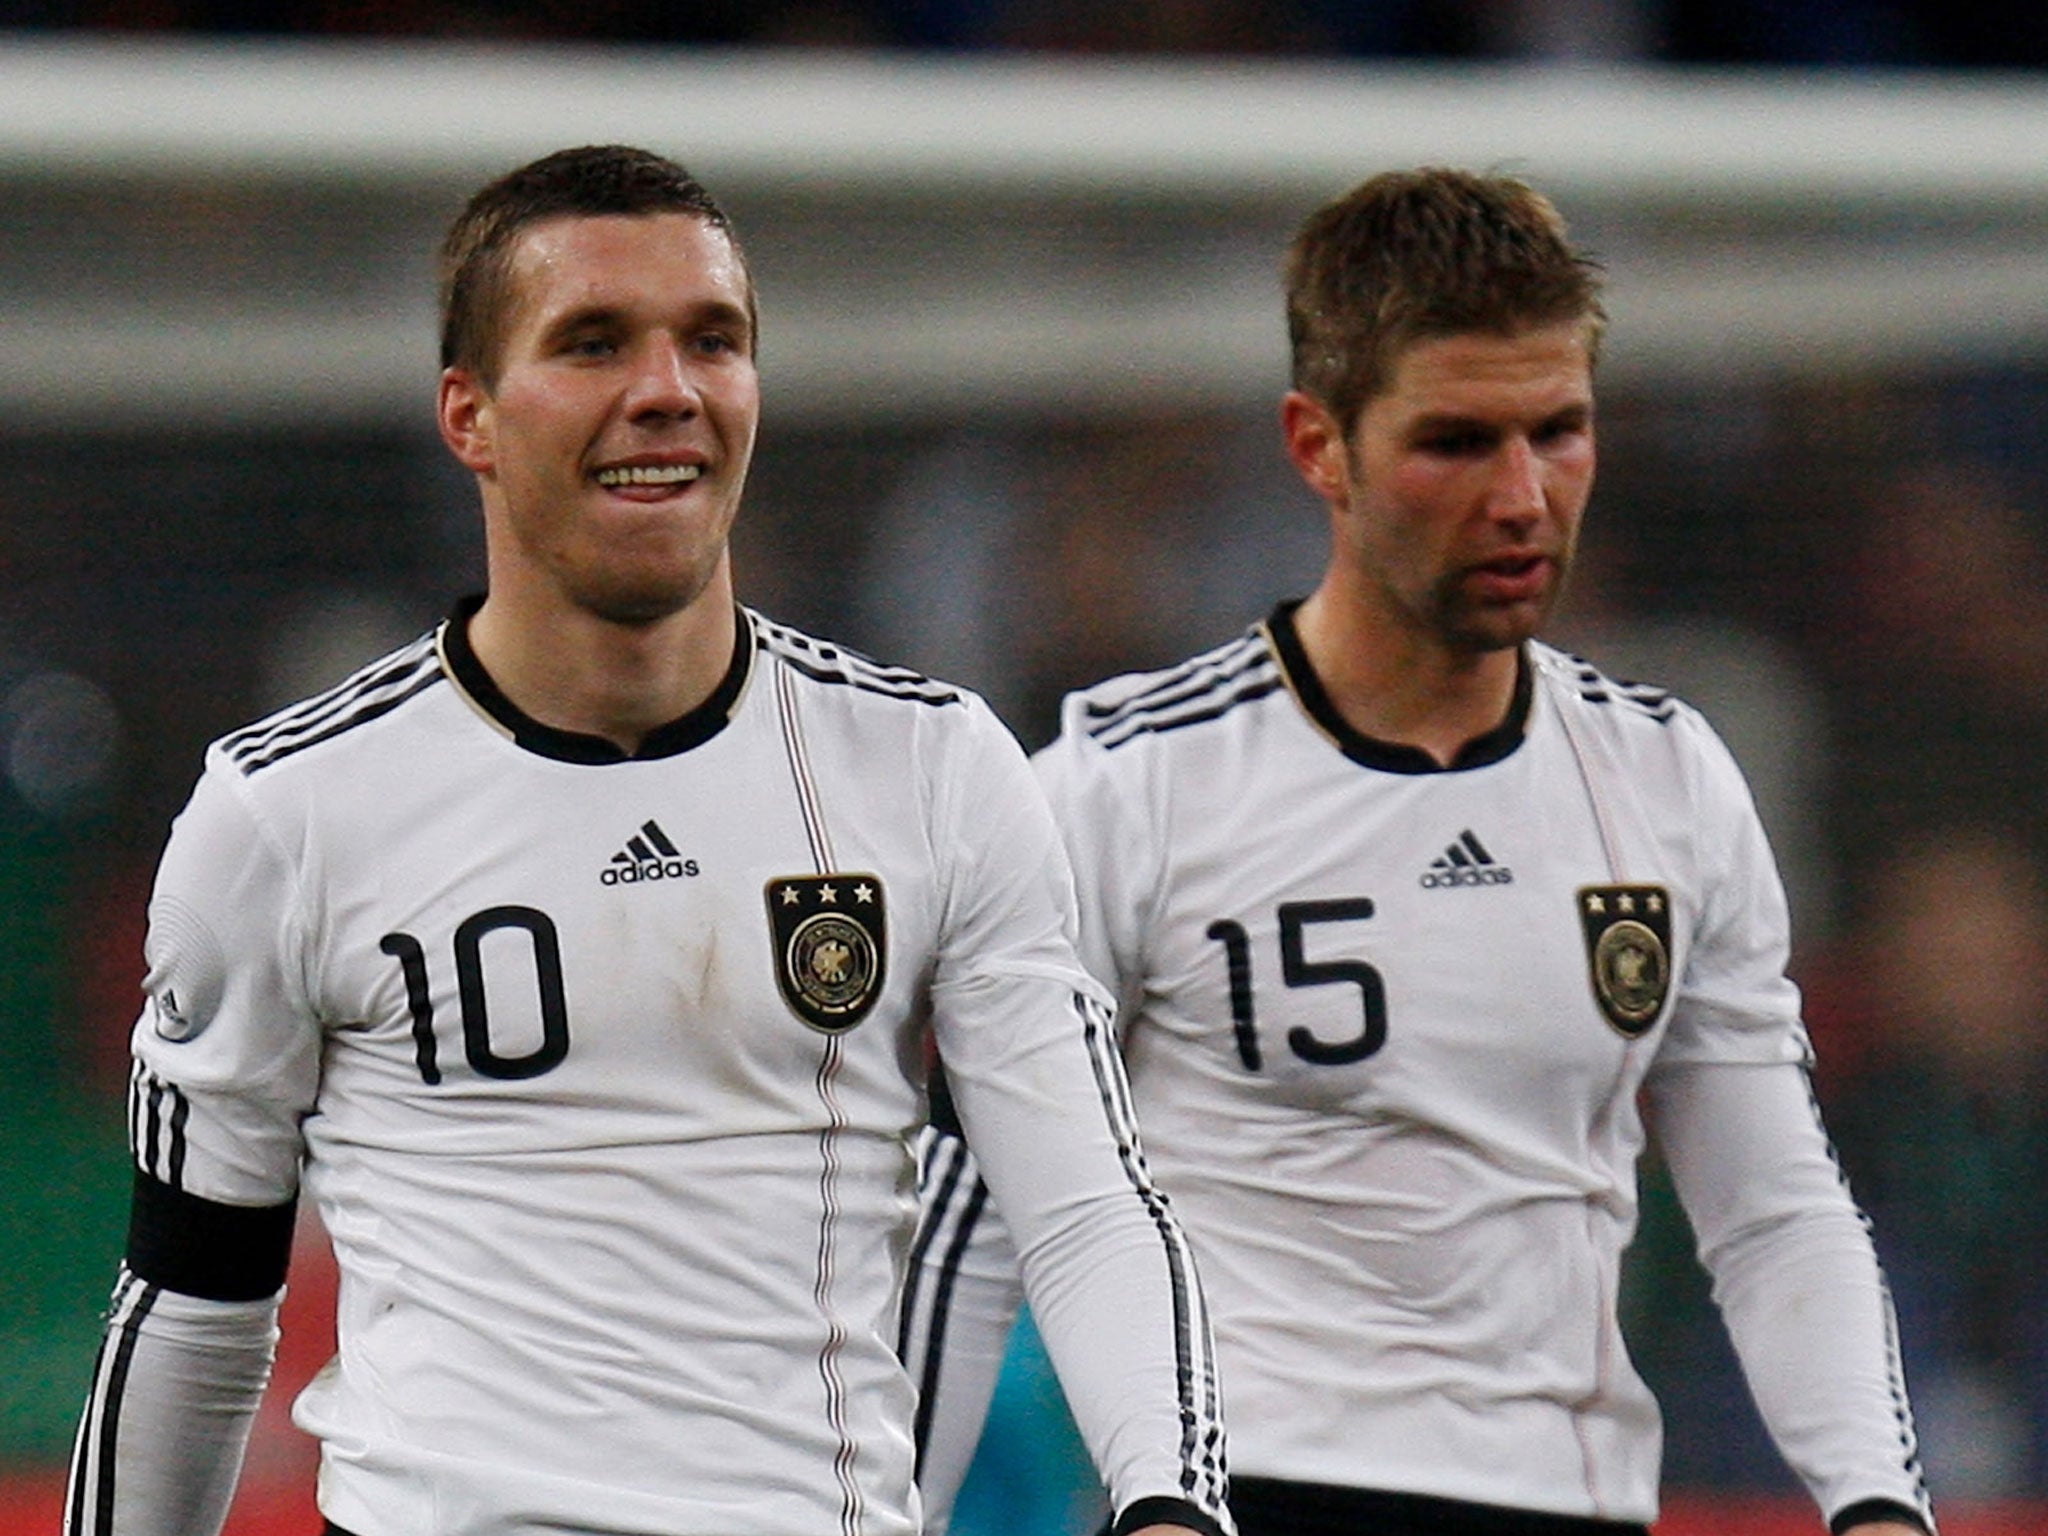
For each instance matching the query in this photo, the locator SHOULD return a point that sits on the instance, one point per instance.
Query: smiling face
(1457, 494)
(612, 445)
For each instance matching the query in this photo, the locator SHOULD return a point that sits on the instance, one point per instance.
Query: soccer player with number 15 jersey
(1417, 926)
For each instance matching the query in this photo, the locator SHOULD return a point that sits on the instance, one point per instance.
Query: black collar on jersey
(678, 735)
(1393, 756)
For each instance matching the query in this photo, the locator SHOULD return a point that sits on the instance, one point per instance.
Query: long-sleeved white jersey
(1392, 1032)
(603, 1072)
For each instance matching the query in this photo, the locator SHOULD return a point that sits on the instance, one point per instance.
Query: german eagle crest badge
(1628, 949)
(831, 946)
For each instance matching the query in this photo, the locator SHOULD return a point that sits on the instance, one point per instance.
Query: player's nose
(662, 383)
(1517, 494)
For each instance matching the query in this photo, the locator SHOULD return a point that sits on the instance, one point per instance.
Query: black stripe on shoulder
(1203, 689)
(825, 662)
(1160, 725)
(1596, 687)
(1192, 676)
(205, 1248)
(363, 714)
(309, 714)
(376, 690)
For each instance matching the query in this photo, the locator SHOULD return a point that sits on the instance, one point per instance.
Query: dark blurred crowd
(1853, 32)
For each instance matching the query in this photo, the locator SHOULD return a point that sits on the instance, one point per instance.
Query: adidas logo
(648, 855)
(1465, 862)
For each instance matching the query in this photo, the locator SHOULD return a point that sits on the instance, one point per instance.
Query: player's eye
(1455, 443)
(1563, 429)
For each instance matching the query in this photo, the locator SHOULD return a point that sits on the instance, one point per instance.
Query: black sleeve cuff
(203, 1248)
(1165, 1512)
(1878, 1509)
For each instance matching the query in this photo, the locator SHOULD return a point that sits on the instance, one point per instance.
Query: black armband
(205, 1248)
(1160, 1511)
(1876, 1509)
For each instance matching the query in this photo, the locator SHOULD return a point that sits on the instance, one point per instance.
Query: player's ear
(463, 412)
(1316, 444)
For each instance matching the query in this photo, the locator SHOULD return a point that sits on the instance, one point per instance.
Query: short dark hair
(590, 182)
(1411, 255)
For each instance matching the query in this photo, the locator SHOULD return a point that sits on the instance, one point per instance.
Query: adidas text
(648, 869)
(1448, 879)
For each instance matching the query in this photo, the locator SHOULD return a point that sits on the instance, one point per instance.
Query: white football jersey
(602, 1073)
(1388, 1029)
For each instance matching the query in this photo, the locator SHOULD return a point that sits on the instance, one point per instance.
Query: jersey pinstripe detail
(826, 663)
(943, 1169)
(1204, 1479)
(90, 1501)
(374, 691)
(1596, 798)
(1603, 1380)
(852, 1503)
(1206, 688)
(804, 780)
(158, 1112)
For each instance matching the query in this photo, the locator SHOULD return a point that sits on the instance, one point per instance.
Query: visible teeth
(649, 474)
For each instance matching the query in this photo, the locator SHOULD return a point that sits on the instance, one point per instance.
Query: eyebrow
(583, 317)
(711, 314)
(1437, 421)
(727, 316)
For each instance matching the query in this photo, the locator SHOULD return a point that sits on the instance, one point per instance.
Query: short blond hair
(591, 182)
(1411, 255)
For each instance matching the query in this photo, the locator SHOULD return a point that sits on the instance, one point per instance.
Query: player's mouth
(1514, 578)
(659, 476)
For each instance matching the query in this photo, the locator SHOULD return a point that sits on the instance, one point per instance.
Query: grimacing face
(613, 445)
(1457, 493)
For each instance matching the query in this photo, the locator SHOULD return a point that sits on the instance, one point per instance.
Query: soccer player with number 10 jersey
(580, 960)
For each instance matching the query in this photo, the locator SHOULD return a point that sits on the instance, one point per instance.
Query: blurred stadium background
(1018, 261)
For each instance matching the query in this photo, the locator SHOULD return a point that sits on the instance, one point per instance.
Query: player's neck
(1391, 684)
(574, 671)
